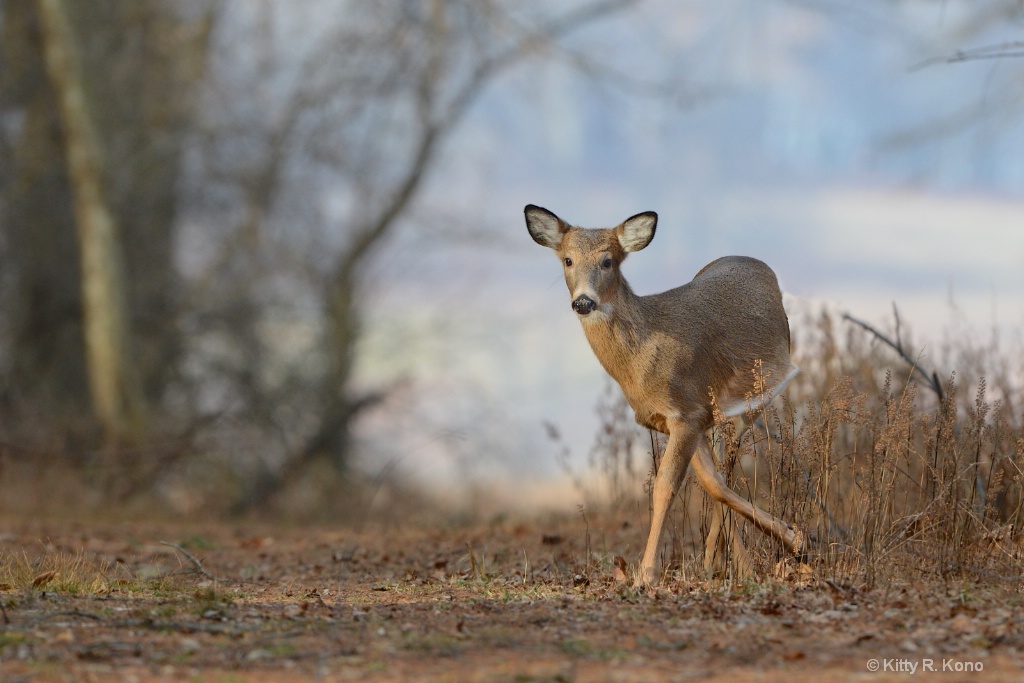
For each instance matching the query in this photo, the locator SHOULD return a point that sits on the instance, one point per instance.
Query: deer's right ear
(545, 228)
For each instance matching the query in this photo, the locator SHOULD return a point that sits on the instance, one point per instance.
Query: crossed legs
(685, 442)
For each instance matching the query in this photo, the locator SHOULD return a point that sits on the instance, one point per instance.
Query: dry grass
(55, 570)
(892, 474)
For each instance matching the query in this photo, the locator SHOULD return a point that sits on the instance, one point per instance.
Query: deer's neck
(616, 336)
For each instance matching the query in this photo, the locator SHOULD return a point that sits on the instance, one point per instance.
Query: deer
(678, 355)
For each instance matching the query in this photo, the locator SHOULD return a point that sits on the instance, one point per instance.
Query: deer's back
(709, 333)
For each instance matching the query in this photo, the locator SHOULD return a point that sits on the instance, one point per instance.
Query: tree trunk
(114, 385)
(44, 368)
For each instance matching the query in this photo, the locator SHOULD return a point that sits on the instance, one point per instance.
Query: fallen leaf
(65, 636)
(962, 624)
(801, 574)
(43, 579)
(620, 569)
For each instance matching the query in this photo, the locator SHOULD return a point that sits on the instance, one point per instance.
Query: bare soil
(499, 602)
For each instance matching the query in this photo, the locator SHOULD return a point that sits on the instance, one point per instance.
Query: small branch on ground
(195, 562)
(69, 613)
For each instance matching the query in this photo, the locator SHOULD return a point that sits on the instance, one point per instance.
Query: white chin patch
(599, 315)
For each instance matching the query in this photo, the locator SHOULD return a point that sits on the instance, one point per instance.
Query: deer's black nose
(583, 304)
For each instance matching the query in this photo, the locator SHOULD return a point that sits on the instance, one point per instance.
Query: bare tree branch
(346, 128)
(932, 381)
(1009, 50)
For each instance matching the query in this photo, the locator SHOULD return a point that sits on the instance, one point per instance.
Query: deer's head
(591, 258)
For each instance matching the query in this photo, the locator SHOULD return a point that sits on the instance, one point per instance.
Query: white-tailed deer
(671, 352)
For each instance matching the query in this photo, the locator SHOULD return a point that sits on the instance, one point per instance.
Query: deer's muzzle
(583, 304)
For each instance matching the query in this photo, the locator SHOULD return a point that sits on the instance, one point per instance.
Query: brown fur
(668, 350)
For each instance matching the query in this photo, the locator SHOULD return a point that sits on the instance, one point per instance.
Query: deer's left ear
(637, 232)
(545, 228)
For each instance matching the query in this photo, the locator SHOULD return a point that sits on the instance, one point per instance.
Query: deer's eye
(607, 262)
(568, 261)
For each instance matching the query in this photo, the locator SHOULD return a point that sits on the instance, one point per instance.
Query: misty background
(319, 253)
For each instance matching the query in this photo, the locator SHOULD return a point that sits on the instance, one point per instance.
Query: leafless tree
(317, 148)
(113, 380)
(114, 102)
(957, 32)
(247, 210)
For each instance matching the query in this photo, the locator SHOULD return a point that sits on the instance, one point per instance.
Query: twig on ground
(68, 613)
(195, 562)
(229, 628)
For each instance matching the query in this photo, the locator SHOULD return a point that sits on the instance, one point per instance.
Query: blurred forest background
(206, 205)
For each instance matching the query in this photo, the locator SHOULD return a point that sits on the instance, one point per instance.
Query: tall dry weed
(893, 476)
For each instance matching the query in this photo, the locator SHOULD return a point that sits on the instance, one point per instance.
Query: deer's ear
(545, 228)
(637, 232)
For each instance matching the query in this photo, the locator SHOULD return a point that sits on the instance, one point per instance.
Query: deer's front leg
(681, 443)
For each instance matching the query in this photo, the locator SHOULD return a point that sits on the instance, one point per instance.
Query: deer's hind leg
(714, 484)
(723, 536)
(724, 533)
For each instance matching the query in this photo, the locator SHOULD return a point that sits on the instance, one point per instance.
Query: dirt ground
(499, 602)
